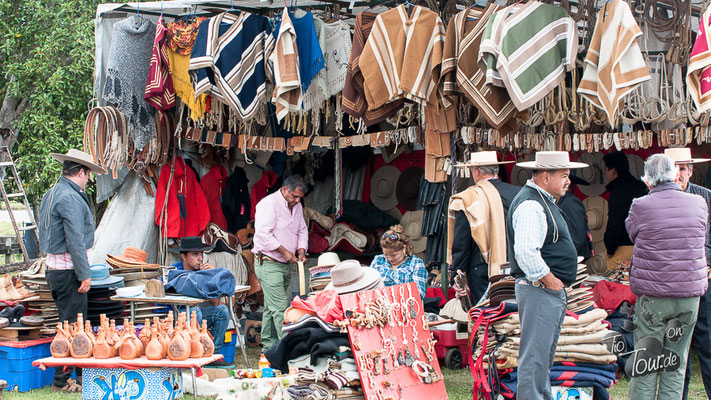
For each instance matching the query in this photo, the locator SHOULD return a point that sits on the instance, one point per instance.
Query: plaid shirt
(706, 194)
(411, 270)
(530, 228)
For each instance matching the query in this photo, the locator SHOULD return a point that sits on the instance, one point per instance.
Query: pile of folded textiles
(582, 360)
(339, 380)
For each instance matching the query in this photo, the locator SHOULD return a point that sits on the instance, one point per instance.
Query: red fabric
(184, 182)
(438, 292)
(326, 304)
(260, 189)
(317, 243)
(609, 295)
(213, 185)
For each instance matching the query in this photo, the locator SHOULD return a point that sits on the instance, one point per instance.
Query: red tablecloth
(117, 362)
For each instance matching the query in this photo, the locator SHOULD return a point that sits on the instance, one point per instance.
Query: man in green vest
(543, 261)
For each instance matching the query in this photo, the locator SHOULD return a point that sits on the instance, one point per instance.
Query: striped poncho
(614, 64)
(402, 56)
(227, 60)
(528, 48)
(698, 75)
(460, 73)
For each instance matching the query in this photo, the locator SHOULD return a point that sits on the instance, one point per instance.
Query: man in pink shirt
(280, 239)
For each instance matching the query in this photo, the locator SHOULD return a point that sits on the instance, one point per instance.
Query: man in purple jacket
(668, 274)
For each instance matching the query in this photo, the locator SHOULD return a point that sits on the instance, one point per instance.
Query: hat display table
(176, 301)
(139, 379)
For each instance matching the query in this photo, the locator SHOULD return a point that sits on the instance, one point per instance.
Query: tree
(47, 62)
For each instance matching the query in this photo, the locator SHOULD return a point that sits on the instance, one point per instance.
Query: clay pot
(145, 335)
(102, 350)
(208, 346)
(154, 350)
(89, 332)
(112, 332)
(138, 345)
(81, 343)
(196, 348)
(60, 344)
(162, 338)
(178, 348)
(169, 327)
(126, 348)
(194, 324)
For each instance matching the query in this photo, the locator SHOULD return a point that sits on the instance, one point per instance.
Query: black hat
(192, 243)
(578, 180)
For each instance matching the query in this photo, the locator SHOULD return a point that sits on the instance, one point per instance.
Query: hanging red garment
(260, 189)
(213, 185)
(197, 213)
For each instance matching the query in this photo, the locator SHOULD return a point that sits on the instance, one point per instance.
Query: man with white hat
(543, 261)
(66, 233)
(470, 205)
(701, 337)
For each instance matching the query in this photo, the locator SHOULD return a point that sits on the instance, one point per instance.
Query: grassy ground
(459, 384)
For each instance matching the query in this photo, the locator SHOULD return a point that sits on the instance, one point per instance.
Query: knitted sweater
(127, 74)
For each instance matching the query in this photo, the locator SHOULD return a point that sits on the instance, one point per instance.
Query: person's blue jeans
(541, 312)
(218, 317)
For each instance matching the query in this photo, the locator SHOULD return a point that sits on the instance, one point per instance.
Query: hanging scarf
(127, 74)
(698, 75)
(159, 88)
(182, 33)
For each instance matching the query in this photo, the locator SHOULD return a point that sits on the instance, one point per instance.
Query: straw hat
(382, 187)
(483, 158)
(79, 157)
(349, 276)
(412, 222)
(596, 211)
(551, 160)
(453, 309)
(408, 187)
(597, 265)
(131, 257)
(682, 155)
(594, 175)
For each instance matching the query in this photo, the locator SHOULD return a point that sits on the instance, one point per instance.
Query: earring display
(392, 344)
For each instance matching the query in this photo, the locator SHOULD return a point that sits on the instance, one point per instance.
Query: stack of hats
(320, 275)
(350, 276)
(133, 267)
(103, 286)
(42, 303)
(411, 221)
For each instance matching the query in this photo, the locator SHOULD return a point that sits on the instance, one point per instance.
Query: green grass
(459, 384)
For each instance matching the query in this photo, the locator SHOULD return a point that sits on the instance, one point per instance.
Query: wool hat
(551, 160)
(101, 278)
(595, 175)
(596, 212)
(408, 187)
(382, 187)
(79, 157)
(350, 276)
(412, 223)
(192, 243)
(682, 155)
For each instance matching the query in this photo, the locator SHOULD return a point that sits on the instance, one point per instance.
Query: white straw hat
(551, 160)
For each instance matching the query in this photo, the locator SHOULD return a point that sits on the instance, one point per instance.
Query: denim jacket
(66, 224)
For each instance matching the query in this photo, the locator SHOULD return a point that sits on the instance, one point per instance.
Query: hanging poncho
(698, 75)
(614, 64)
(285, 62)
(127, 73)
(159, 88)
(181, 38)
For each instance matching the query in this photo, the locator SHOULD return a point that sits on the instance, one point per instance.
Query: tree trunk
(10, 111)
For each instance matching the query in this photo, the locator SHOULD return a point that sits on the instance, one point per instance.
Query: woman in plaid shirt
(397, 264)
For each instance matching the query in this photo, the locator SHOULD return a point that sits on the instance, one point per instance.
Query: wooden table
(176, 301)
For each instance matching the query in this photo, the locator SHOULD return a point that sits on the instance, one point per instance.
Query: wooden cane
(302, 280)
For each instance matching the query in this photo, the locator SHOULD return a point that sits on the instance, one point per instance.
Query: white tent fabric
(128, 221)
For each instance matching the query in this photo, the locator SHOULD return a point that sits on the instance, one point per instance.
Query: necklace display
(391, 341)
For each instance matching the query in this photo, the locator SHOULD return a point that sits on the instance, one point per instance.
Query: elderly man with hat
(66, 233)
(192, 256)
(702, 331)
(668, 275)
(488, 200)
(543, 261)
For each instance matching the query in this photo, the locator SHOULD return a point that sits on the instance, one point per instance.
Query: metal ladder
(7, 161)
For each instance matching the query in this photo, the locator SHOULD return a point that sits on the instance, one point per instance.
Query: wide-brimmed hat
(551, 160)
(408, 187)
(682, 155)
(596, 212)
(382, 187)
(453, 309)
(222, 240)
(483, 158)
(595, 175)
(412, 223)
(343, 237)
(350, 276)
(192, 243)
(328, 259)
(597, 265)
(79, 157)
(636, 165)
(101, 278)
(132, 257)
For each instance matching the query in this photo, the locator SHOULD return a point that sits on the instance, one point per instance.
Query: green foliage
(47, 47)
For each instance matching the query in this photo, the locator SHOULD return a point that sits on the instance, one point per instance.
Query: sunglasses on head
(391, 236)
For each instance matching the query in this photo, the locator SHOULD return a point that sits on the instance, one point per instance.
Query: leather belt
(263, 257)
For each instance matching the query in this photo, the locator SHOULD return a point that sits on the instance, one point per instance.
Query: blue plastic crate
(16, 364)
(228, 350)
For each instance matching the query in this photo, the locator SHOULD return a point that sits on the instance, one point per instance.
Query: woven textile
(182, 33)
(528, 48)
(127, 74)
(698, 75)
(614, 64)
(159, 88)
(287, 96)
